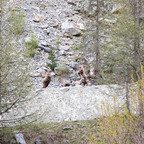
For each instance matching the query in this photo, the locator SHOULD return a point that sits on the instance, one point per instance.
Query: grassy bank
(58, 133)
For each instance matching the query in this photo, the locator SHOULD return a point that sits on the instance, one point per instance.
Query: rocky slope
(58, 25)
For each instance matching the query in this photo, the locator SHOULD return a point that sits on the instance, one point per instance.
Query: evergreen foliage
(114, 39)
(52, 58)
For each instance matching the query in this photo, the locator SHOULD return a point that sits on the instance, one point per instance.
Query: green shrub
(122, 127)
(17, 22)
(32, 46)
(33, 53)
(52, 66)
(52, 58)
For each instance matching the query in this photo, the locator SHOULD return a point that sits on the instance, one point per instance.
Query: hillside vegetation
(104, 38)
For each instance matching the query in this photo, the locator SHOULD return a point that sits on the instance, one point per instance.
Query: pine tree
(52, 58)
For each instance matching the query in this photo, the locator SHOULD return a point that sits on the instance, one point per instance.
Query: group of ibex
(81, 73)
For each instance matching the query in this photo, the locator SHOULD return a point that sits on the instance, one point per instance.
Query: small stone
(45, 26)
(37, 74)
(55, 26)
(66, 48)
(81, 26)
(74, 65)
(50, 141)
(68, 36)
(52, 73)
(47, 32)
(44, 68)
(71, 3)
(62, 52)
(75, 58)
(29, 84)
(38, 18)
(67, 43)
(38, 141)
(38, 90)
(46, 49)
(64, 89)
(46, 55)
(70, 53)
(110, 21)
(20, 138)
(68, 128)
(75, 12)
(77, 82)
(44, 43)
(67, 63)
(55, 23)
(13, 141)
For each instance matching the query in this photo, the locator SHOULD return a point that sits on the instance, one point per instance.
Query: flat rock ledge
(69, 103)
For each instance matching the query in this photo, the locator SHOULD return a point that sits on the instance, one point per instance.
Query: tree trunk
(97, 38)
(138, 40)
(0, 51)
(127, 93)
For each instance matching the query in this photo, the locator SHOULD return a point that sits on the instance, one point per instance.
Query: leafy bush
(52, 58)
(32, 53)
(17, 22)
(122, 127)
(15, 71)
(32, 46)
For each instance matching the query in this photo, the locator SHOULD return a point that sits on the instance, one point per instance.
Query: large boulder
(71, 28)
